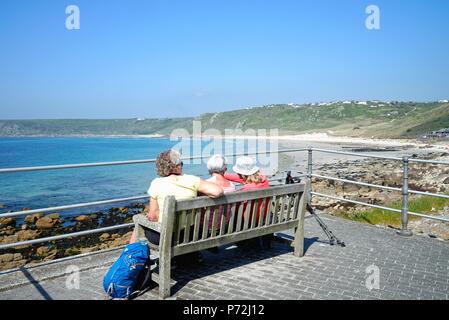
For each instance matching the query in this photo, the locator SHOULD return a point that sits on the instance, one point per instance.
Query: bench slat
(289, 207)
(247, 215)
(296, 207)
(177, 228)
(255, 205)
(270, 207)
(262, 212)
(239, 216)
(214, 222)
(196, 228)
(275, 210)
(206, 223)
(189, 219)
(223, 219)
(232, 218)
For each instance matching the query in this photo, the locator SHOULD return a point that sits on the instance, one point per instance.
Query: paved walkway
(409, 268)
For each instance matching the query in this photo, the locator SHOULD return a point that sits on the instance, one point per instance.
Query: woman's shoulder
(188, 179)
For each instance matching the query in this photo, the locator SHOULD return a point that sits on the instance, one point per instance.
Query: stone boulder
(7, 257)
(6, 222)
(83, 219)
(25, 235)
(42, 251)
(46, 223)
(33, 218)
(105, 236)
(53, 215)
(123, 210)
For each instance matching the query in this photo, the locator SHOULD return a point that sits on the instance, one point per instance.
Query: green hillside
(371, 118)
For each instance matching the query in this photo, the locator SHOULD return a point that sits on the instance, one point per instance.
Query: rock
(25, 235)
(53, 215)
(8, 231)
(17, 256)
(24, 226)
(123, 210)
(7, 257)
(13, 264)
(46, 223)
(10, 238)
(72, 252)
(42, 251)
(33, 218)
(88, 250)
(5, 222)
(446, 180)
(2, 206)
(83, 219)
(105, 236)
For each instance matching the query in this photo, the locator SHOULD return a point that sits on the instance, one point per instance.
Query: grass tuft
(423, 204)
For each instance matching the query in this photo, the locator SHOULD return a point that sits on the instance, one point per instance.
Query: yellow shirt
(181, 187)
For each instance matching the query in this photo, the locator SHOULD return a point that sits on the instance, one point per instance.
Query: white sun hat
(245, 166)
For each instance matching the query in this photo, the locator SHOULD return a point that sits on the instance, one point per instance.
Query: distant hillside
(351, 118)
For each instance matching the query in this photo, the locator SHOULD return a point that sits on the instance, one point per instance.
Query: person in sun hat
(248, 174)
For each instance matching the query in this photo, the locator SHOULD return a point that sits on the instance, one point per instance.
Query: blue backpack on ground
(130, 272)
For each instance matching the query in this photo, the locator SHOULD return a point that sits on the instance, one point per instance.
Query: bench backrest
(201, 223)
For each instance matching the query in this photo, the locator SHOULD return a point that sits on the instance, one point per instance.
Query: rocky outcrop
(46, 223)
(37, 225)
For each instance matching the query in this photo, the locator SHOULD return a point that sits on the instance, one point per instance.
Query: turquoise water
(58, 187)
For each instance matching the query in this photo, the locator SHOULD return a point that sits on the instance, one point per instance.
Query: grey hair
(217, 164)
(175, 157)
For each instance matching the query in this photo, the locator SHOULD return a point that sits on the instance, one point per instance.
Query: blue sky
(170, 58)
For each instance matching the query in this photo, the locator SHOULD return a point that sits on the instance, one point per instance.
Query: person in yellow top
(173, 183)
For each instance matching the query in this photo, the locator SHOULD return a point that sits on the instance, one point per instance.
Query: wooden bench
(201, 223)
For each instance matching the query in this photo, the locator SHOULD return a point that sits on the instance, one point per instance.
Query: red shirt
(251, 186)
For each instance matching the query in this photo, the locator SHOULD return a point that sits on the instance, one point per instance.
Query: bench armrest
(142, 220)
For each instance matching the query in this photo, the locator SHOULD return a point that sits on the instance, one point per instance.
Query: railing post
(309, 174)
(404, 212)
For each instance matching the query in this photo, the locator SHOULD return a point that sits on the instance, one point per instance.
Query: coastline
(317, 137)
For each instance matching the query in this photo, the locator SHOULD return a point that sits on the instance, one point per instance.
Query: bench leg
(140, 233)
(298, 243)
(164, 276)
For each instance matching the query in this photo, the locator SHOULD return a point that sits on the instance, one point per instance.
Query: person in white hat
(248, 174)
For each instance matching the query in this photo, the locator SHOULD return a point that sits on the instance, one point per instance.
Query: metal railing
(404, 190)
